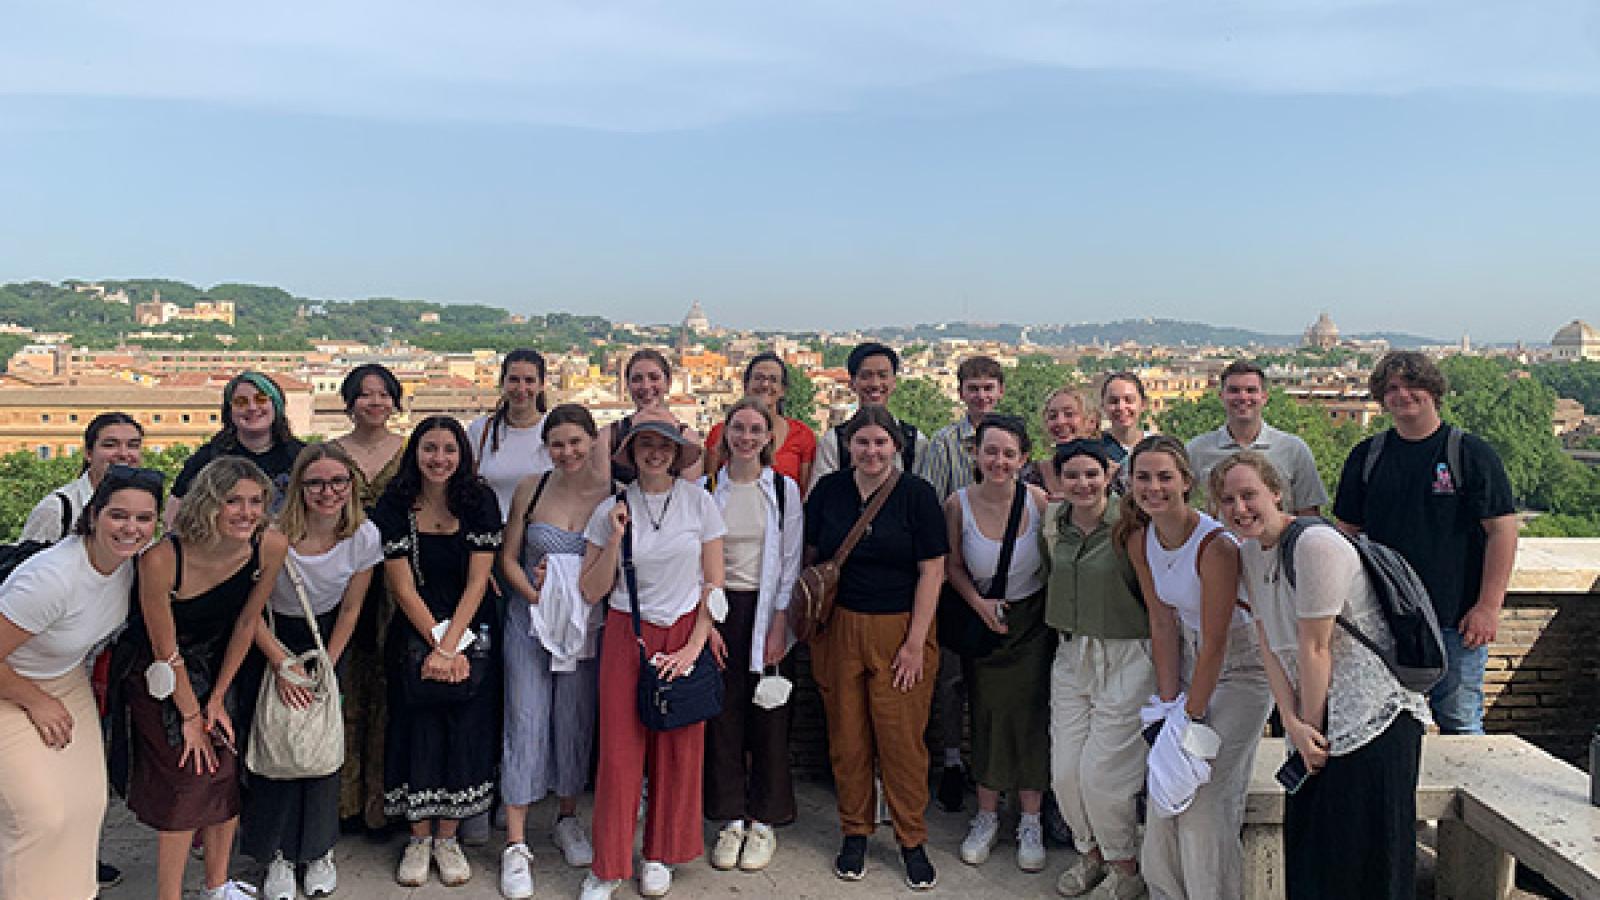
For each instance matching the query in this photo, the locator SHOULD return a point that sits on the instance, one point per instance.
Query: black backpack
(14, 555)
(908, 449)
(1418, 658)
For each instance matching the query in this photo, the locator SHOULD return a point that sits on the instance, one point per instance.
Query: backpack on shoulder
(1418, 658)
(14, 555)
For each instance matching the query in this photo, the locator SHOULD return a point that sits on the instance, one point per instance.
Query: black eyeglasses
(338, 484)
(145, 478)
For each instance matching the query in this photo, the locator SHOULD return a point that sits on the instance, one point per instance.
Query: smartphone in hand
(1293, 774)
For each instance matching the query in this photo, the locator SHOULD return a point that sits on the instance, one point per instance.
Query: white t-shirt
(327, 575)
(68, 607)
(746, 517)
(666, 560)
(522, 453)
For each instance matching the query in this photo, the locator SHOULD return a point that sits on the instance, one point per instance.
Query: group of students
(489, 594)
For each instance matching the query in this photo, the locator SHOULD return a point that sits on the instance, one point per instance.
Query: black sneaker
(919, 871)
(1055, 827)
(952, 788)
(107, 875)
(851, 863)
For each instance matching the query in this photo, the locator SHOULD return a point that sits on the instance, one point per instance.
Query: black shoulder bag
(961, 629)
(664, 705)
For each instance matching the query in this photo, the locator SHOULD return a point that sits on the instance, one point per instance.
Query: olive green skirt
(1011, 703)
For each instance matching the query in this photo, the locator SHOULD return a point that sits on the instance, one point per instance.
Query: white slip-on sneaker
(516, 878)
(452, 863)
(1081, 877)
(981, 838)
(730, 840)
(655, 879)
(413, 871)
(280, 879)
(759, 845)
(322, 878)
(569, 836)
(596, 889)
(1030, 846)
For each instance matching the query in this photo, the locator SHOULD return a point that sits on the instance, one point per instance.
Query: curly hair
(1416, 368)
(196, 522)
(462, 492)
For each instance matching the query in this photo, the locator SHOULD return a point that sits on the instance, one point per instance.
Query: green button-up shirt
(1094, 590)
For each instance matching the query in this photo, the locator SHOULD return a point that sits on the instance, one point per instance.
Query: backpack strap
(1008, 544)
(844, 449)
(66, 513)
(908, 453)
(1371, 462)
(781, 482)
(1452, 458)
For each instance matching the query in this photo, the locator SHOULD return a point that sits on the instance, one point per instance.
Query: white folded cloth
(561, 620)
(1174, 773)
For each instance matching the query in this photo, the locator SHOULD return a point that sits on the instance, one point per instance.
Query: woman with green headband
(253, 427)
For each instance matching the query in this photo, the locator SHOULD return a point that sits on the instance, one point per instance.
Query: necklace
(657, 521)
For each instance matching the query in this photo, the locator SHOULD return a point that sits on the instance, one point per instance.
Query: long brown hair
(1134, 518)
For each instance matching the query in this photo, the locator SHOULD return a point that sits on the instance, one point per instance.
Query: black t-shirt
(276, 462)
(881, 574)
(1413, 505)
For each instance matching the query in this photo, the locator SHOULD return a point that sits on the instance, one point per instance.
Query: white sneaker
(280, 879)
(573, 841)
(730, 840)
(516, 879)
(759, 845)
(595, 889)
(452, 863)
(321, 876)
(413, 871)
(655, 879)
(981, 838)
(1030, 846)
(1081, 876)
(232, 890)
(1118, 886)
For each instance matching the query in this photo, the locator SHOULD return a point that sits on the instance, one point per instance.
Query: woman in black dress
(441, 529)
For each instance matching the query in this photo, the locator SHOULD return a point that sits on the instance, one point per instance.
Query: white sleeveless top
(1176, 577)
(982, 554)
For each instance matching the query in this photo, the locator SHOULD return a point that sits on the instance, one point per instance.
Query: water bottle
(1594, 767)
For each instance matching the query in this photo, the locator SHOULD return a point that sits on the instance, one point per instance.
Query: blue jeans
(1457, 700)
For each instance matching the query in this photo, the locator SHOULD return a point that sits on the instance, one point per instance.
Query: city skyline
(1420, 167)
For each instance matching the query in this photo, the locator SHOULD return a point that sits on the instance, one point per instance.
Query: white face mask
(772, 691)
(717, 605)
(160, 679)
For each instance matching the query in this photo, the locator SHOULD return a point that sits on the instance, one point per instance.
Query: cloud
(664, 65)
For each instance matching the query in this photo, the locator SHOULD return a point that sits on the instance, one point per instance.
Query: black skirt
(298, 817)
(1351, 831)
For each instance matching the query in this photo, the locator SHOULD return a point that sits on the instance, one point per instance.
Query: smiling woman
(254, 428)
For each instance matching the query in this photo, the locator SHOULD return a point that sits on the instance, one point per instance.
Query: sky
(1430, 166)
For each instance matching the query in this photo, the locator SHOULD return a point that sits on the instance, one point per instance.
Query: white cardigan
(780, 555)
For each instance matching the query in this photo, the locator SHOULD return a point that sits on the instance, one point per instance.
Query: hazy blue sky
(1428, 166)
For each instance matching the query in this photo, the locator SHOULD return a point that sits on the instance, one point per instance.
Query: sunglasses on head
(147, 478)
(242, 402)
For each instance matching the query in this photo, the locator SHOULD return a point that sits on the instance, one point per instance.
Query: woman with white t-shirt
(1208, 673)
(676, 538)
(1350, 830)
(509, 442)
(332, 552)
(111, 438)
(56, 609)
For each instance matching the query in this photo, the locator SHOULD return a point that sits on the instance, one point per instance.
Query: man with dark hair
(1243, 386)
(873, 368)
(1441, 498)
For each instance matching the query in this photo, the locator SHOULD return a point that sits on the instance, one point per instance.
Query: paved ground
(802, 869)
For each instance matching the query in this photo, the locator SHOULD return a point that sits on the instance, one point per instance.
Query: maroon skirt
(162, 795)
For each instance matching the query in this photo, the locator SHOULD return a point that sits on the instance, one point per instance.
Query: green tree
(800, 397)
(28, 479)
(920, 402)
(1027, 385)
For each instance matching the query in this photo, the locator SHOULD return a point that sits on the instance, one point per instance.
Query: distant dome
(1322, 334)
(1576, 340)
(696, 320)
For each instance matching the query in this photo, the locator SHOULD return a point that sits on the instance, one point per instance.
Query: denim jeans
(1457, 700)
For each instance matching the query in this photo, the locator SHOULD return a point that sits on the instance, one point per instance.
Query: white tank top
(1176, 576)
(982, 554)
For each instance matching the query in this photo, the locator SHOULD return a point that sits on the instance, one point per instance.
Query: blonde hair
(1134, 518)
(196, 521)
(1250, 459)
(1086, 410)
(292, 520)
(760, 406)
